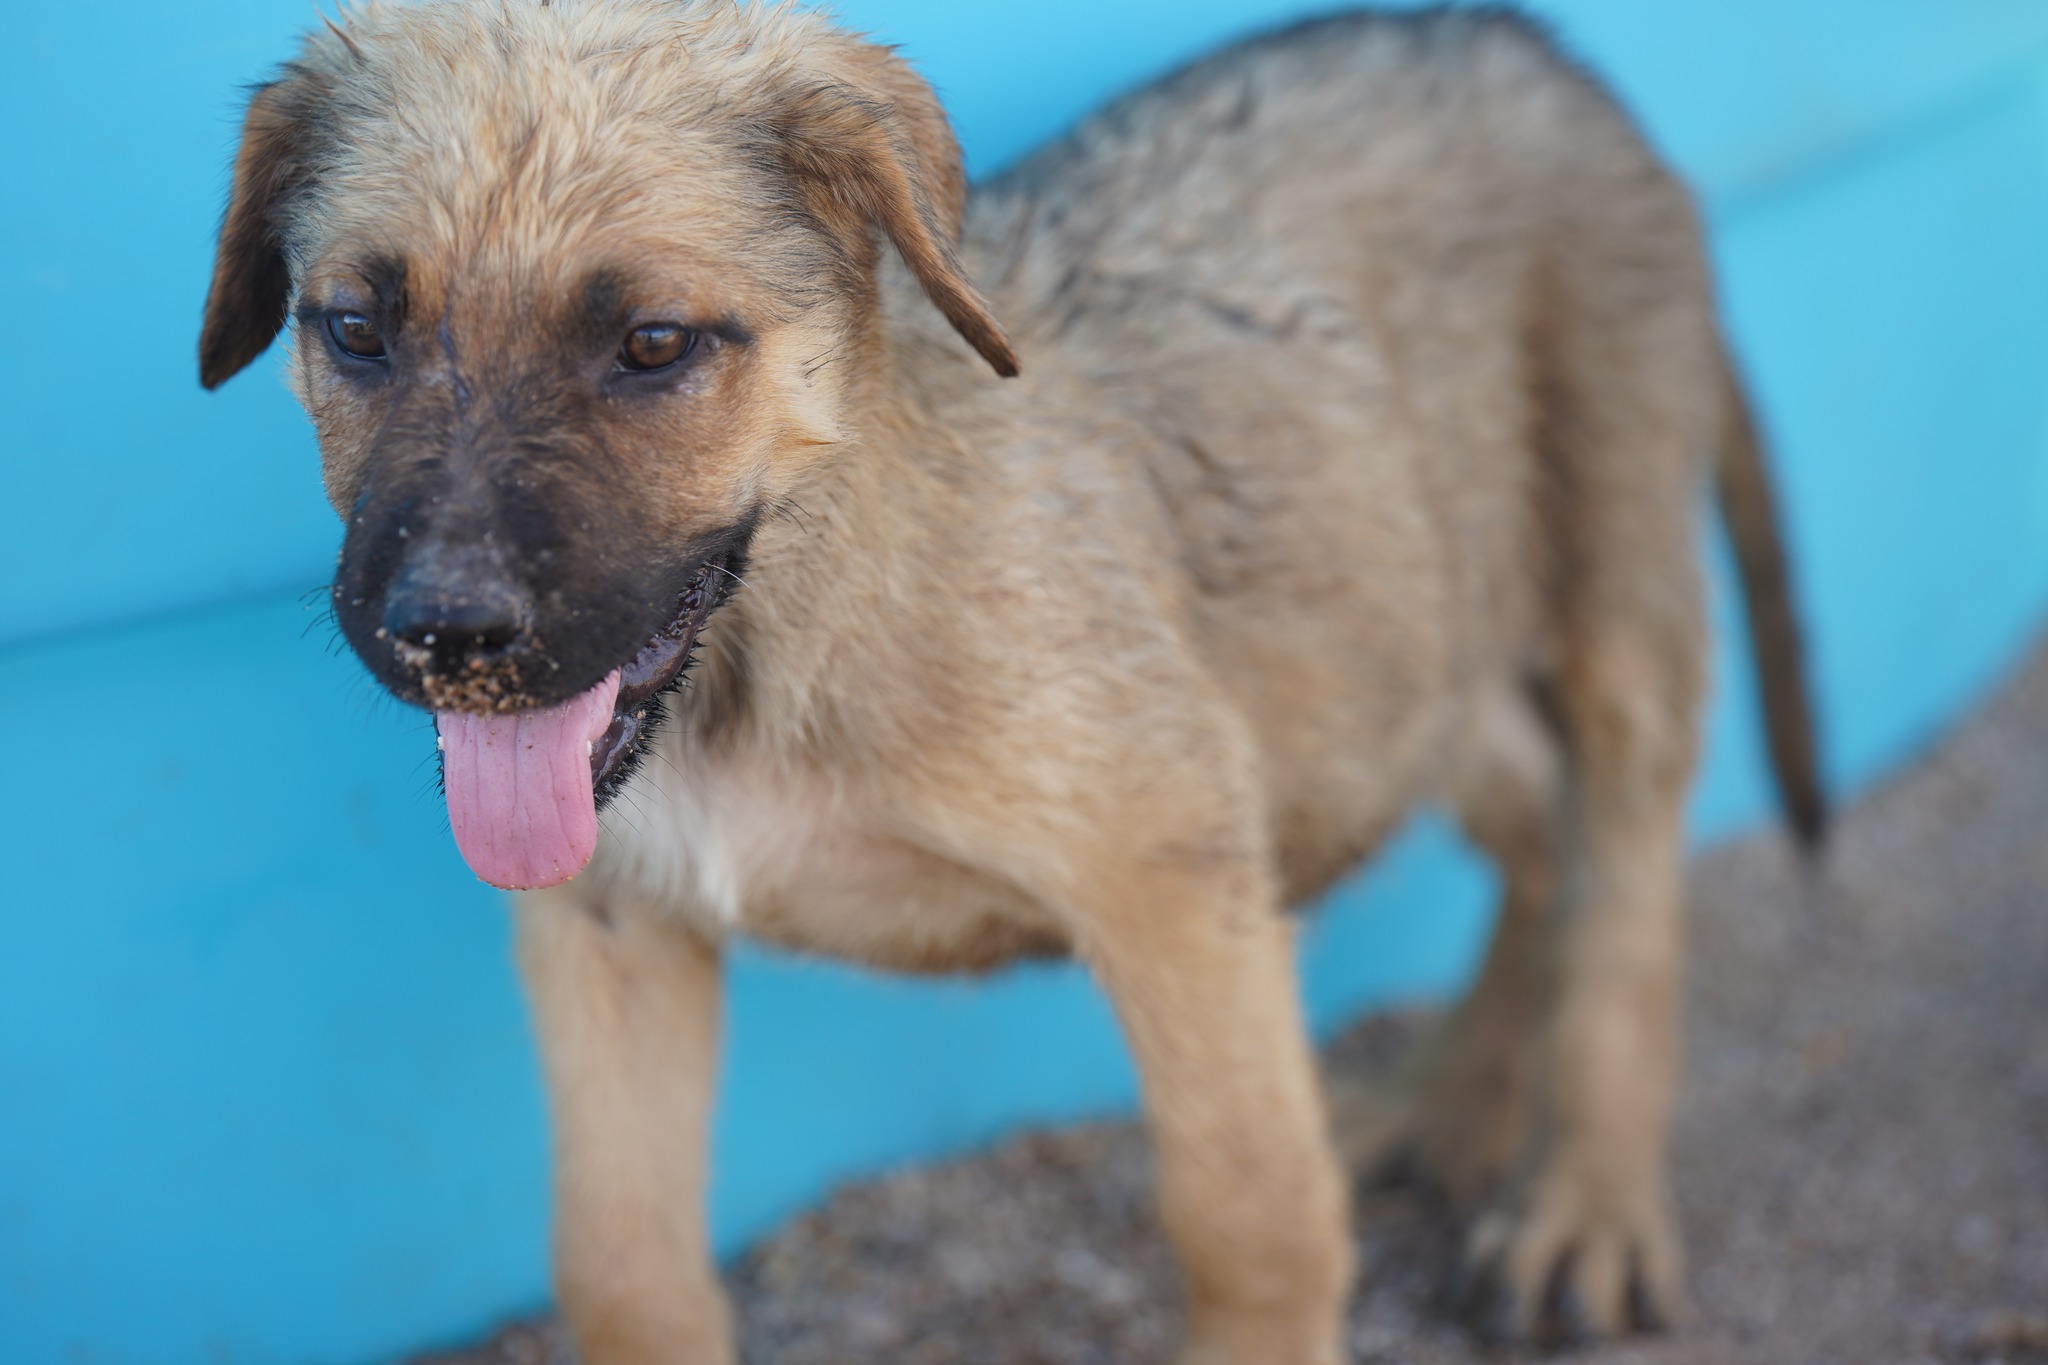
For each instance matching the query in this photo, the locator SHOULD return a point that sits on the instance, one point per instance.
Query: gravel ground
(1861, 1157)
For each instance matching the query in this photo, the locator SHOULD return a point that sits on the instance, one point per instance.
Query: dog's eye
(356, 335)
(656, 346)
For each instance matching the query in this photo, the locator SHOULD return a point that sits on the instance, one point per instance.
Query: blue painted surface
(266, 1093)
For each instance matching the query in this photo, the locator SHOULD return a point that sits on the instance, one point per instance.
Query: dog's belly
(766, 849)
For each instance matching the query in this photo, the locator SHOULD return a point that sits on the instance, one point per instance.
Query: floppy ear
(872, 148)
(251, 282)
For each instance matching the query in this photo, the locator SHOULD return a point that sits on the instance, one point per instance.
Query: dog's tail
(1750, 507)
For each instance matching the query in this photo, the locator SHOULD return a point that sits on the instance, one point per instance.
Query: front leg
(625, 1004)
(1199, 962)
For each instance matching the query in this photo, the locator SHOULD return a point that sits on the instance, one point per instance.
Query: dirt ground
(1861, 1157)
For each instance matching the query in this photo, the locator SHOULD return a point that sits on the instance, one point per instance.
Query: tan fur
(1369, 379)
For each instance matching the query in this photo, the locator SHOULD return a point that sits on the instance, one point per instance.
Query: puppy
(1369, 376)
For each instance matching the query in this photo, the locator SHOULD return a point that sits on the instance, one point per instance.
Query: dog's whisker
(423, 761)
(829, 356)
(667, 761)
(619, 811)
(789, 510)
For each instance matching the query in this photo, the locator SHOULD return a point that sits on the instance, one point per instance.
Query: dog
(1339, 450)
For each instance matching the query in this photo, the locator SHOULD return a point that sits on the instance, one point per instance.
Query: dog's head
(578, 289)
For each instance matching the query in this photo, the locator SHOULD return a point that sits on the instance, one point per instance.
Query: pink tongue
(520, 788)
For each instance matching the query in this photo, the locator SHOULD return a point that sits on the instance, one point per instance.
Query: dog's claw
(1567, 1322)
(1491, 1310)
(1481, 1294)
(1545, 1278)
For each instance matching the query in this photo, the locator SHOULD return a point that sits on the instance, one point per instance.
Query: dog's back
(1396, 308)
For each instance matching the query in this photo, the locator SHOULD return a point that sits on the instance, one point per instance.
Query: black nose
(458, 607)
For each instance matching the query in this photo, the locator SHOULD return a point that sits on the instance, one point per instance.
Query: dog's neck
(842, 628)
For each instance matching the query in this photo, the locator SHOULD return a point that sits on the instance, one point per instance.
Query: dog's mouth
(524, 789)
(657, 669)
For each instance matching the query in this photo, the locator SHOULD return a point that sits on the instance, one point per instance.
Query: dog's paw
(1578, 1256)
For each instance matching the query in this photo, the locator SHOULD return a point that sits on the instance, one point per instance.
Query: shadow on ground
(1861, 1158)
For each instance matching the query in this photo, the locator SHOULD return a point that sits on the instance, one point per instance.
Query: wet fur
(1370, 382)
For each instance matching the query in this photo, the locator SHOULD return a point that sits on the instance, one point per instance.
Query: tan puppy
(1369, 375)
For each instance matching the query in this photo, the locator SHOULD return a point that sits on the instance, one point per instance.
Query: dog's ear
(866, 140)
(251, 287)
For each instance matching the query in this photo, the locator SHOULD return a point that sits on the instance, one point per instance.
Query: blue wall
(266, 1093)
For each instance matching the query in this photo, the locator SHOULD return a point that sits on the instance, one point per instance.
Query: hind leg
(1471, 1117)
(1624, 352)
(1584, 1239)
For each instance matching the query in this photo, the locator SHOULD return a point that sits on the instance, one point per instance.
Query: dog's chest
(772, 850)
